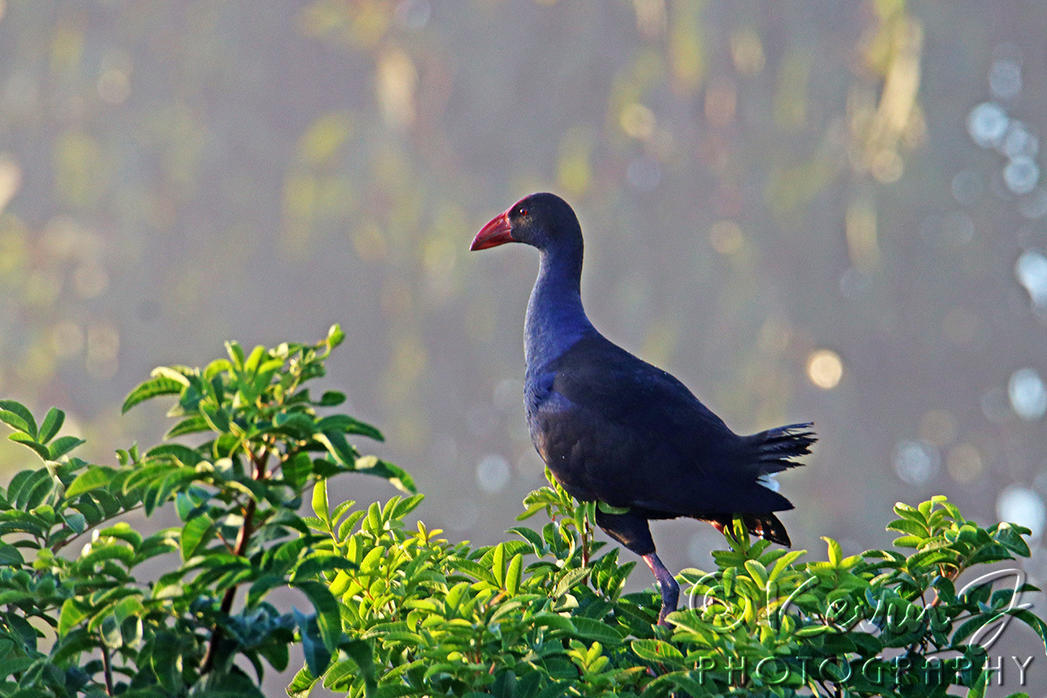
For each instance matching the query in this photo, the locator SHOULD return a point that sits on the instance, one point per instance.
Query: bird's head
(541, 220)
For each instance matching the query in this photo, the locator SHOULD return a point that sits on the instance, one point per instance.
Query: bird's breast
(555, 434)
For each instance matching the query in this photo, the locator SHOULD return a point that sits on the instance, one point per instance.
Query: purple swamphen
(615, 429)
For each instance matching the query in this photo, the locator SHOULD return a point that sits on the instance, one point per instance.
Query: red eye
(522, 212)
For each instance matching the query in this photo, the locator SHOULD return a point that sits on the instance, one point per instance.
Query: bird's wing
(602, 377)
(630, 434)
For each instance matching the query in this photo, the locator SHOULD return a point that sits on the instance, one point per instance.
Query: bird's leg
(666, 584)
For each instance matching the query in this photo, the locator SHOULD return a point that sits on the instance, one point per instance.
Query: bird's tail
(774, 450)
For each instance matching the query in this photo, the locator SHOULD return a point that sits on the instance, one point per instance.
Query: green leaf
(216, 417)
(30, 442)
(328, 618)
(9, 555)
(783, 562)
(63, 445)
(331, 398)
(302, 684)
(914, 528)
(811, 630)
(476, 570)
(532, 537)
(1035, 623)
(76, 521)
(595, 630)
(321, 507)
(189, 425)
(348, 425)
(17, 416)
(835, 553)
(907, 512)
(360, 652)
(1012, 539)
(195, 532)
(498, 565)
(335, 336)
(317, 656)
(236, 354)
(657, 651)
(94, 477)
(570, 578)
(33, 490)
(394, 474)
(183, 454)
(254, 359)
(70, 616)
(51, 424)
(758, 572)
(513, 574)
(553, 620)
(166, 383)
(215, 367)
(608, 509)
(339, 448)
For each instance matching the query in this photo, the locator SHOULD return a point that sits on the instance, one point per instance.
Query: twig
(242, 539)
(107, 670)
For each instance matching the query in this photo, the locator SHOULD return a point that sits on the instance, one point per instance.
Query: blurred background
(805, 210)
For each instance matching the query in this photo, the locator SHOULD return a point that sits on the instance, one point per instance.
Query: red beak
(496, 232)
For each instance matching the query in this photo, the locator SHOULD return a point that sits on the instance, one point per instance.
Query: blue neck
(555, 317)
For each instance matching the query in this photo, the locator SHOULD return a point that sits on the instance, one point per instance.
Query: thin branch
(107, 670)
(61, 544)
(242, 540)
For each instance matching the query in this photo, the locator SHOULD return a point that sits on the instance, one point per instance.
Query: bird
(613, 428)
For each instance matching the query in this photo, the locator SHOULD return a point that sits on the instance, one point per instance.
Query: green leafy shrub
(396, 609)
(249, 439)
(527, 618)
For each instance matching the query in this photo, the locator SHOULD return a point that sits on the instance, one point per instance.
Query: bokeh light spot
(1005, 78)
(1023, 506)
(964, 463)
(1034, 205)
(987, 123)
(67, 339)
(1027, 394)
(726, 237)
(995, 405)
(916, 462)
(887, 166)
(966, 187)
(637, 121)
(10, 179)
(1021, 175)
(114, 86)
(825, 368)
(1020, 141)
(492, 473)
(1031, 270)
(413, 14)
(938, 427)
(747, 52)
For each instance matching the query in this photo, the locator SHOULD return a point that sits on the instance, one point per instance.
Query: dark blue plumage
(616, 429)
